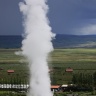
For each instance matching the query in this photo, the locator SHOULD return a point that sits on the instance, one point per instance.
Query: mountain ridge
(74, 41)
(60, 41)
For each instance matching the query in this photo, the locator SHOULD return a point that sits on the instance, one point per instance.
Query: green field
(10, 61)
(80, 60)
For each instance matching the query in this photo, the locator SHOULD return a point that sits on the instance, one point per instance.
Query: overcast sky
(66, 17)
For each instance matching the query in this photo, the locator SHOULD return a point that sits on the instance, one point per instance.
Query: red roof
(10, 71)
(55, 86)
(69, 70)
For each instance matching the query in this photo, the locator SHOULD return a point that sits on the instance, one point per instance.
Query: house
(68, 69)
(55, 88)
(64, 87)
(10, 71)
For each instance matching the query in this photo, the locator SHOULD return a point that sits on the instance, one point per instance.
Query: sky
(75, 17)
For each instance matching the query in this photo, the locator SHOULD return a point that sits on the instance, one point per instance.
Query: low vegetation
(82, 61)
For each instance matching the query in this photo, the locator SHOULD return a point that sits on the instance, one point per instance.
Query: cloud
(87, 30)
(73, 16)
(66, 16)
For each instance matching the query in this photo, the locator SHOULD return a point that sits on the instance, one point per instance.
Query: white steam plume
(37, 45)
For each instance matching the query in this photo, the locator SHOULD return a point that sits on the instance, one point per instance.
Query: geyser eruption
(37, 45)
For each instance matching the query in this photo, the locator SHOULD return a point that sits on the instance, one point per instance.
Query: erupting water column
(37, 45)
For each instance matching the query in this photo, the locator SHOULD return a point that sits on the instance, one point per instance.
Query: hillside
(60, 41)
(75, 41)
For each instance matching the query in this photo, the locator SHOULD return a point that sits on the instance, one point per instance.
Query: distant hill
(75, 41)
(10, 41)
(60, 41)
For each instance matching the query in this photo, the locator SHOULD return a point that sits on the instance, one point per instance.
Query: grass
(63, 55)
(11, 93)
(81, 60)
(75, 94)
(75, 58)
(8, 56)
(10, 61)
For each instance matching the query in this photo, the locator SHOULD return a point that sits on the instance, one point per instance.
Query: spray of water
(37, 45)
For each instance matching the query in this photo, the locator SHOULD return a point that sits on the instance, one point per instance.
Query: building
(64, 87)
(10, 71)
(55, 88)
(68, 69)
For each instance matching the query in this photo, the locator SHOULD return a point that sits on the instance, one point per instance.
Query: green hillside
(80, 60)
(74, 41)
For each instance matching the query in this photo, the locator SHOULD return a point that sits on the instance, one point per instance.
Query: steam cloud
(37, 45)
